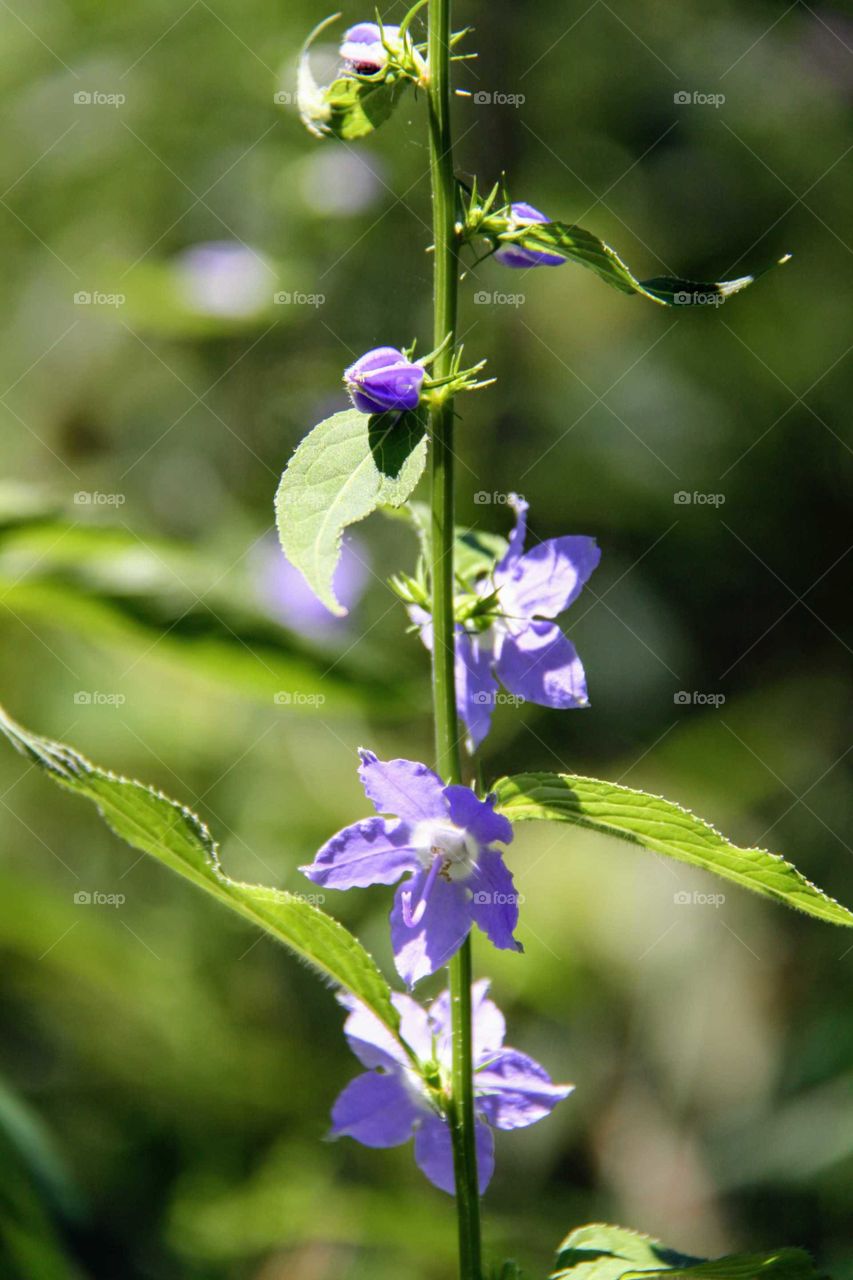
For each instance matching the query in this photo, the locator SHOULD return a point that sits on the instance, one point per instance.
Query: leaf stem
(445, 288)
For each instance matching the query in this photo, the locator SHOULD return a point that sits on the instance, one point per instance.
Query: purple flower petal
(362, 46)
(489, 1024)
(512, 255)
(404, 788)
(415, 1027)
(476, 687)
(513, 1091)
(285, 594)
(477, 816)
(494, 901)
(488, 1021)
(377, 1110)
(384, 380)
(365, 33)
(440, 932)
(547, 579)
(541, 665)
(434, 1153)
(518, 535)
(368, 1038)
(374, 851)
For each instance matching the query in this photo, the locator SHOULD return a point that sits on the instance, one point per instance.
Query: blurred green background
(166, 1074)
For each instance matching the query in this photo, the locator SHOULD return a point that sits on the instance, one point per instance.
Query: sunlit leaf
(349, 465)
(172, 833)
(578, 245)
(664, 827)
(603, 1252)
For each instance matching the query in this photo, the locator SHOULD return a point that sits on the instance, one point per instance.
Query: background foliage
(166, 1074)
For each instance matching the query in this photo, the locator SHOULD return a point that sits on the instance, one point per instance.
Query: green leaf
(349, 465)
(475, 551)
(663, 827)
(150, 821)
(350, 107)
(578, 245)
(602, 1252)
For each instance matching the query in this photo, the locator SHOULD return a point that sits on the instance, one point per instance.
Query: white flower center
(455, 847)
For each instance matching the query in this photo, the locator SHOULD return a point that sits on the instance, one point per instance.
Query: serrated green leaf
(604, 1252)
(663, 827)
(349, 465)
(350, 107)
(578, 245)
(172, 833)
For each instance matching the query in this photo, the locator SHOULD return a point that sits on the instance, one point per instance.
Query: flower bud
(512, 255)
(384, 380)
(362, 48)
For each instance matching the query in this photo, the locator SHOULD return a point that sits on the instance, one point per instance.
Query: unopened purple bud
(512, 255)
(384, 380)
(362, 48)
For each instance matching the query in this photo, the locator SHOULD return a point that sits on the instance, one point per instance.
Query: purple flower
(442, 835)
(224, 279)
(362, 48)
(512, 255)
(527, 651)
(384, 380)
(389, 1103)
(284, 593)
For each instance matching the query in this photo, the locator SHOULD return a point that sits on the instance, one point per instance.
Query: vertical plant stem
(446, 277)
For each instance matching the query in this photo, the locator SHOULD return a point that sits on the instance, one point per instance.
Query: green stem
(445, 288)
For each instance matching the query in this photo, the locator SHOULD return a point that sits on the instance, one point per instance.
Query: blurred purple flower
(442, 835)
(225, 279)
(362, 48)
(389, 1103)
(341, 184)
(384, 380)
(512, 255)
(285, 594)
(522, 647)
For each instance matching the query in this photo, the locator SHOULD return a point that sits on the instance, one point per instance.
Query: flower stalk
(448, 761)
